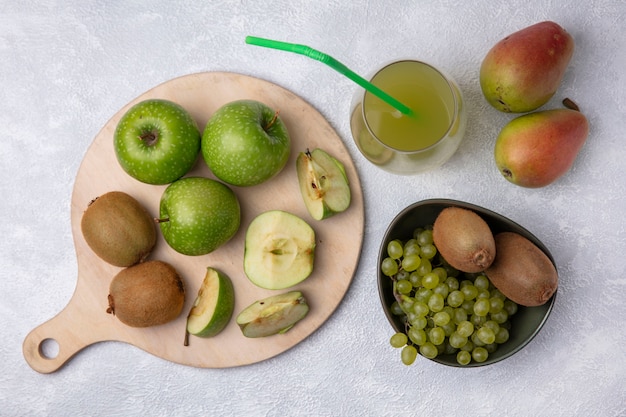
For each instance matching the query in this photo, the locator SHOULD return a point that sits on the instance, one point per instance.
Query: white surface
(66, 67)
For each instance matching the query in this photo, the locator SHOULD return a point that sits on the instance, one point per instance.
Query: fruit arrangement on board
(245, 143)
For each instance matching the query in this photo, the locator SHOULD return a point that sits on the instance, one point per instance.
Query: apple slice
(323, 183)
(213, 306)
(273, 315)
(279, 250)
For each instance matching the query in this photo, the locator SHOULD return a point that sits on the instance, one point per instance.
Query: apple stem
(186, 341)
(165, 220)
(272, 121)
(149, 138)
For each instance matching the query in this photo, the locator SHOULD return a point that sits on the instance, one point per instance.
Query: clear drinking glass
(409, 144)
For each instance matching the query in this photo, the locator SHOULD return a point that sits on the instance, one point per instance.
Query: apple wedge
(213, 306)
(323, 183)
(279, 250)
(273, 315)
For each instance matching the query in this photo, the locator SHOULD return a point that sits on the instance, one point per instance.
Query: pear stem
(570, 104)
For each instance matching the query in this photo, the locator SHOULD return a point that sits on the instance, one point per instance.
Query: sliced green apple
(279, 250)
(273, 315)
(213, 306)
(323, 183)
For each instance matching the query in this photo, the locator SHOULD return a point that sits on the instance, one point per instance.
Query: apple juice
(409, 144)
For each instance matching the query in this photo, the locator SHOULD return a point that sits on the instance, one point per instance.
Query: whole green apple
(198, 215)
(245, 143)
(157, 141)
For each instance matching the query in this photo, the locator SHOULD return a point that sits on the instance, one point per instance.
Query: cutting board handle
(70, 330)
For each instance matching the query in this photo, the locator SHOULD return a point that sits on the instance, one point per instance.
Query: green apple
(198, 215)
(323, 183)
(273, 315)
(213, 306)
(279, 250)
(157, 141)
(245, 143)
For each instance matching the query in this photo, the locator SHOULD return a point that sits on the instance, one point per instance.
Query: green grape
(475, 340)
(502, 335)
(396, 310)
(436, 335)
(441, 289)
(408, 354)
(411, 262)
(417, 231)
(417, 336)
(451, 282)
(423, 294)
(395, 250)
(481, 307)
(398, 340)
(441, 318)
(455, 298)
(402, 274)
(498, 294)
(463, 357)
(465, 328)
(483, 294)
(430, 280)
(464, 283)
(407, 303)
(486, 335)
(425, 267)
(448, 349)
(428, 350)
(411, 247)
(449, 328)
(403, 286)
(510, 307)
(499, 317)
(415, 279)
(477, 320)
(468, 306)
(480, 354)
(436, 302)
(456, 340)
(428, 251)
(469, 291)
(443, 275)
(420, 308)
(492, 347)
(460, 315)
(389, 267)
(492, 325)
(468, 347)
(495, 304)
(419, 322)
(481, 282)
(425, 237)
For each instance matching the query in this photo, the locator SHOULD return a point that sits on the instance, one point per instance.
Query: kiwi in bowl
(522, 325)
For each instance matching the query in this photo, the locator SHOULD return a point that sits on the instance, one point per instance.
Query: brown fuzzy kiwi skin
(147, 294)
(464, 239)
(118, 229)
(522, 271)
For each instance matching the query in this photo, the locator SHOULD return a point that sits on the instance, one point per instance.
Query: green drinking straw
(334, 64)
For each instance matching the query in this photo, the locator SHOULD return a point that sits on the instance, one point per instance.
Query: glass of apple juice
(409, 144)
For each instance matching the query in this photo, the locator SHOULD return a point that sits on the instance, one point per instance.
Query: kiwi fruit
(464, 239)
(522, 271)
(118, 229)
(146, 294)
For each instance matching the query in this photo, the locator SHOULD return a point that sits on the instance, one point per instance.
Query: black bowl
(525, 324)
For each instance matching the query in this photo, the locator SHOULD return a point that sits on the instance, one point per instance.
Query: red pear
(535, 149)
(524, 70)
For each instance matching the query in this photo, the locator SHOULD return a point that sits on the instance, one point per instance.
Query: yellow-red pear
(536, 149)
(524, 70)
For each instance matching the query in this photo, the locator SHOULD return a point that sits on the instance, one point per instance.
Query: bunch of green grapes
(444, 311)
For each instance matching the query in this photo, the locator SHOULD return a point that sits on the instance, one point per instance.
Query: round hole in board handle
(49, 348)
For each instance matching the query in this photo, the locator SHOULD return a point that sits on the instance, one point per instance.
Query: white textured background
(67, 66)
